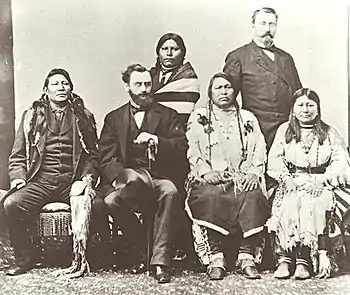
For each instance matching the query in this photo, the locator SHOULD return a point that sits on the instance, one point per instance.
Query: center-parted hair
(130, 69)
(171, 36)
(320, 127)
(230, 80)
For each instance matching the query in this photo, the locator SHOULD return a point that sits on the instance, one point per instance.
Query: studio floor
(184, 281)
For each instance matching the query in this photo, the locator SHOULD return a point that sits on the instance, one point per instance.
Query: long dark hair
(86, 124)
(229, 79)
(236, 105)
(171, 36)
(321, 128)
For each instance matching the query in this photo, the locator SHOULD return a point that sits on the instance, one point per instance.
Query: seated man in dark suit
(141, 143)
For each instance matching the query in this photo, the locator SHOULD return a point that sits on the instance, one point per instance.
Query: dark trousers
(159, 198)
(23, 207)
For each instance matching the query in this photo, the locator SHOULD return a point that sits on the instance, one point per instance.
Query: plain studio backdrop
(96, 40)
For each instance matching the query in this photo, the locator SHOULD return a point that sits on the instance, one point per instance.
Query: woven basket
(54, 221)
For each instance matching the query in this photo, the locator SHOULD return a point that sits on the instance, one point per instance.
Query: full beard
(142, 100)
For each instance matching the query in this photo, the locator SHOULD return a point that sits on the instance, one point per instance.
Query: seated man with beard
(131, 180)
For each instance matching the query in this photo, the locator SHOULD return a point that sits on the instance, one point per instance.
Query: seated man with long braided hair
(226, 187)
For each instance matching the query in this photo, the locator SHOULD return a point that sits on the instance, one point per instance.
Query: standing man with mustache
(265, 75)
(133, 178)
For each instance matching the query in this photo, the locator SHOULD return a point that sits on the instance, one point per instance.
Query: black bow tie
(271, 49)
(135, 110)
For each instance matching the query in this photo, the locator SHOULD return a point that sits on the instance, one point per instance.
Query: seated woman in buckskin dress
(226, 187)
(309, 160)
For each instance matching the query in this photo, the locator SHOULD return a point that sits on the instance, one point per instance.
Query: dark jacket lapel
(122, 123)
(42, 141)
(265, 62)
(67, 121)
(51, 121)
(152, 118)
(155, 79)
(43, 134)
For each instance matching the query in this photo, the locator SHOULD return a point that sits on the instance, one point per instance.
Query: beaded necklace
(307, 139)
(226, 133)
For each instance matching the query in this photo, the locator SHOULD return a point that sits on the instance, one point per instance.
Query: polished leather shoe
(282, 271)
(18, 270)
(162, 275)
(251, 272)
(138, 268)
(216, 273)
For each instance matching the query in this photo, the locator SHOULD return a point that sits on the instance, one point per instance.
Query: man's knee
(168, 190)
(11, 205)
(131, 176)
(127, 177)
(129, 183)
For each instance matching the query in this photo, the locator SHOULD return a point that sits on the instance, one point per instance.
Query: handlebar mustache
(268, 34)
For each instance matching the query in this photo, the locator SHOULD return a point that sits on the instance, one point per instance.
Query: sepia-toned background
(96, 40)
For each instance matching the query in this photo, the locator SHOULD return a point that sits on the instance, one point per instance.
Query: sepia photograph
(174, 147)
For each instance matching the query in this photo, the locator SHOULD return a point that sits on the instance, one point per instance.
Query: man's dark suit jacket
(26, 159)
(161, 121)
(266, 86)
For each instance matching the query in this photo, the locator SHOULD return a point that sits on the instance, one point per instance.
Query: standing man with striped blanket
(175, 83)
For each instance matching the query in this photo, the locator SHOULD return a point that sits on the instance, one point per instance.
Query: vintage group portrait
(151, 146)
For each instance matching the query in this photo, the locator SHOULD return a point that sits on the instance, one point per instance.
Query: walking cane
(151, 156)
